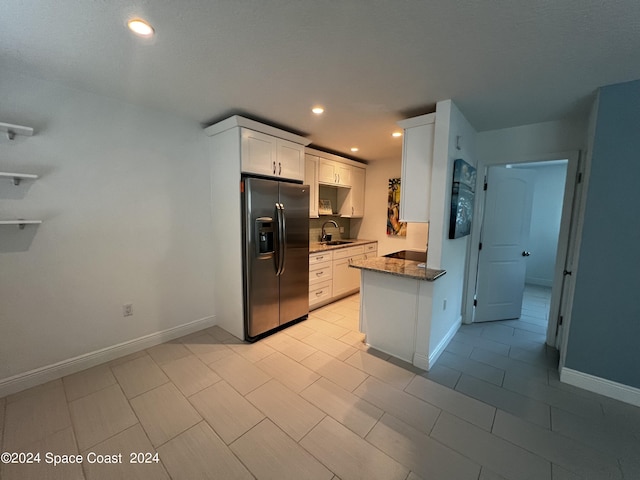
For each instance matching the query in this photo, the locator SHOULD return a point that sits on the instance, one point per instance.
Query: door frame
(566, 244)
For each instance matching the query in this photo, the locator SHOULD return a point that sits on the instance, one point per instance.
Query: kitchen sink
(337, 242)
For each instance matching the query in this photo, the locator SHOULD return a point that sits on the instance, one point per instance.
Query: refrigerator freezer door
(260, 238)
(294, 278)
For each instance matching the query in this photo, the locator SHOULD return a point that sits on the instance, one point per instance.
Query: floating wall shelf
(13, 130)
(18, 177)
(20, 222)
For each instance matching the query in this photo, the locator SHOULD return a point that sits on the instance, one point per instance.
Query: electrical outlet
(127, 310)
(341, 229)
(444, 304)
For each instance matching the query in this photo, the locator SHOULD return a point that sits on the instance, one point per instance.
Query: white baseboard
(421, 361)
(41, 375)
(433, 356)
(605, 387)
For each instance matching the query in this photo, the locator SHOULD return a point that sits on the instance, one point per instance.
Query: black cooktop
(409, 255)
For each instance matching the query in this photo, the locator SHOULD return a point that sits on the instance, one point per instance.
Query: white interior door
(505, 237)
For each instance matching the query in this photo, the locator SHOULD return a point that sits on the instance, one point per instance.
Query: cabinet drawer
(370, 247)
(320, 272)
(319, 292)
(320, 257)
(348, 252)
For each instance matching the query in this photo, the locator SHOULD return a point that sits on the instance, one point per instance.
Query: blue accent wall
(604, 338)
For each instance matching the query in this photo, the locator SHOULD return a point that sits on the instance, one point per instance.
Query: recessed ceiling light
(354, 149)
(317, 110)
(396, 134)
(140, 27)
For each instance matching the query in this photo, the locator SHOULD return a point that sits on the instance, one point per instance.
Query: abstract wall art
(462, 196)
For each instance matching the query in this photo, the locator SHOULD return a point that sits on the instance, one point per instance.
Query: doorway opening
(534, 301)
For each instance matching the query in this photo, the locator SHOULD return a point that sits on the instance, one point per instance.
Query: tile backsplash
(315, 228)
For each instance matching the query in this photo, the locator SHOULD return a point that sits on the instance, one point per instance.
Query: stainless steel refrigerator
(275, 254)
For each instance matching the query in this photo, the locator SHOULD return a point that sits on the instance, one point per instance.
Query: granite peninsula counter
(399, 267)
(396, 301)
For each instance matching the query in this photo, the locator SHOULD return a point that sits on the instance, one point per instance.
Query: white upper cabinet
(259, 152)
(334, 173)
(263, 154)
(351, 201)
(290, 160)
(417, 160)
(311, 179)
(348, 178)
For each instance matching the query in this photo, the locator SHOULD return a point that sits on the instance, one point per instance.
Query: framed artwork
(462, 197)
(394, 225)
(324, 207)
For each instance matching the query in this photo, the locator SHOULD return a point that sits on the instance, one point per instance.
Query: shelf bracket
(16, 181)
(13, 130)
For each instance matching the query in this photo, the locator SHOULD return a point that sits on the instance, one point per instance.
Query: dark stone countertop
(315, 247)
(398, 267)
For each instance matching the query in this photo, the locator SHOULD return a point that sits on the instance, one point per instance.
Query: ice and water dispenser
(264, 229)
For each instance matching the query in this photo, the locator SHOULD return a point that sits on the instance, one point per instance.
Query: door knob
(526, 254)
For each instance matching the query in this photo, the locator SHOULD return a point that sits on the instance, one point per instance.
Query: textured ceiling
(369, 62)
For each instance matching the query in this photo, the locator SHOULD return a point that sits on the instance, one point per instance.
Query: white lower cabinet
(319, 293)
(370, 250)
(346, 280)
(330, 277)
(320, 278)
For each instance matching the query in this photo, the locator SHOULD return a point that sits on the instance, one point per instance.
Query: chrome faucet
(324, 234)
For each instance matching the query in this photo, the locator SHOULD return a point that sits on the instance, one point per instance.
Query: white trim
(335, 158)
(238, 121)
(433, 357)
(566, 244)
(421, 361)
(605, 387)
(417, 121)
(41, 375)
(579, 211)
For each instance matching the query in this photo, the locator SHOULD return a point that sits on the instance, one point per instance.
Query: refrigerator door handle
(281, 239)
(283, 243)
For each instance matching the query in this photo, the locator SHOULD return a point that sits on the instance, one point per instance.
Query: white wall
(374, 224)
(450, 255)
(124, 194)
(530, 142)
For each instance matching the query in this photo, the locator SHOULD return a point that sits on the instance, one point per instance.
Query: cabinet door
(417, 159)
(327, 172)
(319, 293)
(343, 173)
(259, 153)
(346, 279)
(357, 191)
(370, 250)
(290, 160)
(342, 278)
(311, 179)
(351, 200)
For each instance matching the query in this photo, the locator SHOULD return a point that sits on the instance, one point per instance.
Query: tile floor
(313, 402)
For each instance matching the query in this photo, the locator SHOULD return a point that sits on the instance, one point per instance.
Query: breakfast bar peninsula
(396, 300)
